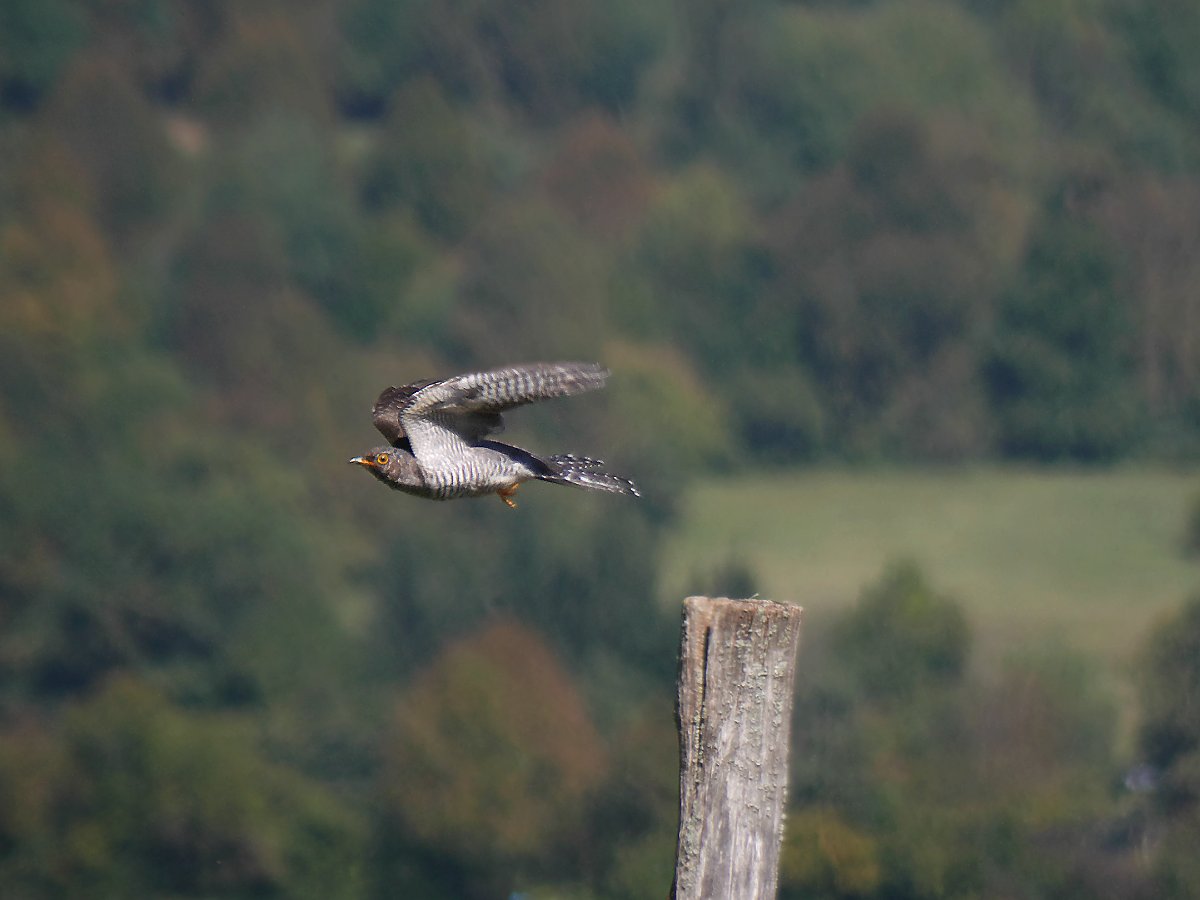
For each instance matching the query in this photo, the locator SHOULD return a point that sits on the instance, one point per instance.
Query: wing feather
(503, 389)
(388, 407)
(443, 417)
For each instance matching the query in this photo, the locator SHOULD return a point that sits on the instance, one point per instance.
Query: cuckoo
(437, 433)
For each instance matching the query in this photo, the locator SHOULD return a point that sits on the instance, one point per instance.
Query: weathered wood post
(736, 678)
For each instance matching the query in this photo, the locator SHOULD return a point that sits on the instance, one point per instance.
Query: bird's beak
(363, 461)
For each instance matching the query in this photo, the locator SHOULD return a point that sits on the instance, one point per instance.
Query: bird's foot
(506, 495)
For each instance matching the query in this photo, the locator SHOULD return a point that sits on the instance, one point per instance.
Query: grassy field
(1090, 557)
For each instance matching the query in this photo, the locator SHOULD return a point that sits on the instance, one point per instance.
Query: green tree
(703, 266)
(138, 538)
(1104, 73)
(534, 286)
(58, 275)
(283, 175)
(232, 315)
(553, 569)
(429, 161)
(823, 856)
(903, 636)
(1151, 221)
(489, 763)
(808, 74)
(600, 178)
(117, 141)
(1060, 374)
(1046, 732)
(633, 814)
(884, 756)
(1169, 739)
(914, 778)
(1162, 33)
(160, 44)
(543, 60)
(135, 798)
(884, 268)
(379, 47)
(261, 61)
(657, 382)
(37, 39)
(1170, 678)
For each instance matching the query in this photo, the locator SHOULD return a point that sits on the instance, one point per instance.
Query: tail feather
(582, 471)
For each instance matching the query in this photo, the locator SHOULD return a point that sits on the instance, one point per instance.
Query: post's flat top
(715, 603)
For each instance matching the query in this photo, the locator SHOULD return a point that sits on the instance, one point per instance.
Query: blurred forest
(849, 230)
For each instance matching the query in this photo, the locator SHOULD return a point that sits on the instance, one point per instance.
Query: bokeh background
(849, 259)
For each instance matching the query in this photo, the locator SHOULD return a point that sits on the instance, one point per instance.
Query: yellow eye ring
(381, 459)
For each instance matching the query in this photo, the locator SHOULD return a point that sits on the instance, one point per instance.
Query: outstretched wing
(443, 417)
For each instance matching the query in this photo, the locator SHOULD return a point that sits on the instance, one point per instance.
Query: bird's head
(393, 466)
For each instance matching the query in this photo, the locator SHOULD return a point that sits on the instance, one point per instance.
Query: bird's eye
(381, 459)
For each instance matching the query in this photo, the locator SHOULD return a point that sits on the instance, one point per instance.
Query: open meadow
(1090, 557)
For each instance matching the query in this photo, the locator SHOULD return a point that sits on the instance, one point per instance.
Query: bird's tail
(581, 471)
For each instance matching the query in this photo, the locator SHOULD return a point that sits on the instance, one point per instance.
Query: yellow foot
(506, 495)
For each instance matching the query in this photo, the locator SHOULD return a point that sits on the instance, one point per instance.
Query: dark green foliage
(1061, 374)
(705, 269)
(600, 177)
(661, 385)
(533, 285)
(134, 798)
(381, 47)
(282, 173)
(102, 571)
(625, 39)
(780, 415)
(914, 778)
(37, 39)
(428, 161)
(262, 63)
(1169, 739)
(856, 202)
(117, 141)
(582, 586)
(491, 758)
(886, 267)
(547, 60)
(1170, 732)
(903, 637)
(805, 75)
(1163, 34)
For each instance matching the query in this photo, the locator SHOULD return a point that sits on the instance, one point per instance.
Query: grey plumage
(438, 434)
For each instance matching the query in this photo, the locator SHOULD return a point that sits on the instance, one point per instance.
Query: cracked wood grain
(736, 679)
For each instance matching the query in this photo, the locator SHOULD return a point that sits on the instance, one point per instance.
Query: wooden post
(736, 677)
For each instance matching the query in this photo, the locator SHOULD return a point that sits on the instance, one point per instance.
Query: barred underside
(483, 471)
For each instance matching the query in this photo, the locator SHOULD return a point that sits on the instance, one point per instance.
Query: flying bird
(437, 434)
